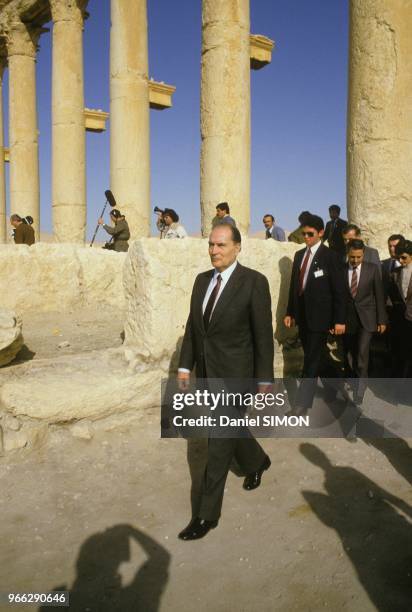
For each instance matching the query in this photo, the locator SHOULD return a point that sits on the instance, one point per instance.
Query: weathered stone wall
(106, 389)
(158, 279)
(47, 277)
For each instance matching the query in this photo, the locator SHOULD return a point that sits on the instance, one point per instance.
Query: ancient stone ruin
(103, 388)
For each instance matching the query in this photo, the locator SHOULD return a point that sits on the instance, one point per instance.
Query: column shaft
(129, 113)
(23, 131)
(225, 111)
(379, 141)
(68, 123)
(3, 216)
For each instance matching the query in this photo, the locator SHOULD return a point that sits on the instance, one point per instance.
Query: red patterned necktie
(302, 272)
(211, 302)
(354, 282)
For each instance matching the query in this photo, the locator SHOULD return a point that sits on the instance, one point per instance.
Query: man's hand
(183, 380)
(381, 329)
(100, 221)
(338, 329)
(289, 321)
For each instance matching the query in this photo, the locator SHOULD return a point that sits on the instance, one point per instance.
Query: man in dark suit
(366, 314)
(228, 335)
(391, 268)
(334, 229)
(371, 255)
(317, 303)
(391, 264)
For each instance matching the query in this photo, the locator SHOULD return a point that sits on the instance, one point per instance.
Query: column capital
(69, 10)
(22, 39)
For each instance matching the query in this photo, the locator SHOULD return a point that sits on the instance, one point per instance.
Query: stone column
(379, 141)
(3, 216)
(23, 132)
(68, 123)
(129, 114)
(225, 111)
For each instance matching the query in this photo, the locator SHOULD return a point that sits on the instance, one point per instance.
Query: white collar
(313, 249)
(226, 274)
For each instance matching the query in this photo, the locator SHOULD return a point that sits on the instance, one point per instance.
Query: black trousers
(314, 351)
(249, 456)
(356, 347)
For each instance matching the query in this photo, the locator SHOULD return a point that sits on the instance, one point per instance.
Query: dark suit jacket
(334, 236)
(389, 280)
(369, 302)
(239, 340)
(372, 256)
(324, 296)
(408, 301)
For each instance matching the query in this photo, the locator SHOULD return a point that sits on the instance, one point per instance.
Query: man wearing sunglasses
(317, 303)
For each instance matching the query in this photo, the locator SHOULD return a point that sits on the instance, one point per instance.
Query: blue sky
(298, 109)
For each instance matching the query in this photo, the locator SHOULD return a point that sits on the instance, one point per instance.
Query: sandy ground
(329, 528)
(85, 330)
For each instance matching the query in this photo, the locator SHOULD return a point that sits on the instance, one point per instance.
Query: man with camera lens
(168, 224)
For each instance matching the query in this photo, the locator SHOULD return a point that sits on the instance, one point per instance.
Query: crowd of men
(341, 289)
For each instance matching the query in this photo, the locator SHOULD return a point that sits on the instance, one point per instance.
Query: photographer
(23, 231)
(168, 224)
(120, 233)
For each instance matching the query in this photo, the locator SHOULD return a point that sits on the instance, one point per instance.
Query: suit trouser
(221, 451)
(357, 355)
(314, 350)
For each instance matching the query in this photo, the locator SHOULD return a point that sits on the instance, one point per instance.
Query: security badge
(317, 273)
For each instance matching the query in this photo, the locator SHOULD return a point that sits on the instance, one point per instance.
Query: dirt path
(100, 517)
(330, 527)
(84, 330)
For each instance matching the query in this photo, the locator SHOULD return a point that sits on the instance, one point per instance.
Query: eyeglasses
(308, 234)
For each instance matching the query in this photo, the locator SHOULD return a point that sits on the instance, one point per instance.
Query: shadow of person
(398, 453)
(98, 584)
(374, 531)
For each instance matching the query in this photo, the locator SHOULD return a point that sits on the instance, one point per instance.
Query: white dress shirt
(226, 274)
(313, 250)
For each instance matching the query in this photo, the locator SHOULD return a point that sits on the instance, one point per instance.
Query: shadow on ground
(373, 526)
(98, 584)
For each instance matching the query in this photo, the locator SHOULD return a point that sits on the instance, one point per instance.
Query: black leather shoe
(252, 481)
(196, 529)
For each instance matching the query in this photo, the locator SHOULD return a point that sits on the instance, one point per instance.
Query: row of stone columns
(379, 150)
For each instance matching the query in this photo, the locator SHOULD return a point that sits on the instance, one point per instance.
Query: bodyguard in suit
(391, 268)
(366, 314)
(228, 334)
(317, 303)
(391, 265)
(371, 255)
(334, 229)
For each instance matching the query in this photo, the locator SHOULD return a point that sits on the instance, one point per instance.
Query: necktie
(211, 302)
(268, 234)
(302, 272)
(354, 283)
(392, 267)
